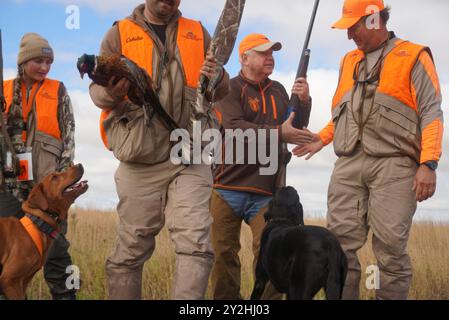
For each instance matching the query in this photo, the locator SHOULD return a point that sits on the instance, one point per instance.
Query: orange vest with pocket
(137, 45)
(396, 102)
(395, 78)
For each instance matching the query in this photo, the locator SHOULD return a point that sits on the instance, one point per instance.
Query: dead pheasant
(102, 68)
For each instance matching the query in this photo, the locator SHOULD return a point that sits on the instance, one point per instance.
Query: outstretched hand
(295, 136)
(308, 149)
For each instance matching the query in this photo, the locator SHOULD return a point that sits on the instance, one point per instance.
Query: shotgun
(221, 45)
(9, 163)
(302, 112)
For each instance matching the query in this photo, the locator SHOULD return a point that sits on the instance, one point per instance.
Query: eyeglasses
(358, 26)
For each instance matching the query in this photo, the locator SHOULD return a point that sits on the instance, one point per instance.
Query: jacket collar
(262, 84)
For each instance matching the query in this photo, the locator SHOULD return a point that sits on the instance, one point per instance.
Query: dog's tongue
(82, 183)
(78, 185)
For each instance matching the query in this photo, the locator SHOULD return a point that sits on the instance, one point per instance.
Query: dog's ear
(296, 206)
(291, 197)
(37, 198)
(300, 214)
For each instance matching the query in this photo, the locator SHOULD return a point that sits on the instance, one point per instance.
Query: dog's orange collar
(34, 233)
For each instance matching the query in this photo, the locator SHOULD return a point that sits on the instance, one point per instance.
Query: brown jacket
(172, 91)
(250, 105)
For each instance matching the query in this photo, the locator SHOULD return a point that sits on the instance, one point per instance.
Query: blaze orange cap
(353, 10)
(258, 42)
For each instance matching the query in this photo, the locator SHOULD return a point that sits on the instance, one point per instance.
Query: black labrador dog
(298, 260)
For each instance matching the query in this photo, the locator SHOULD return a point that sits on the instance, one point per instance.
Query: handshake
(307, 142)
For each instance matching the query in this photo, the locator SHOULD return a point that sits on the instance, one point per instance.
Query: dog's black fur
(298, 260)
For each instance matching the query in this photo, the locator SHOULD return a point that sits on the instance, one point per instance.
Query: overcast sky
(283, 20)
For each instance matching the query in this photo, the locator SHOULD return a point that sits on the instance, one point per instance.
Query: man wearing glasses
(387, 129)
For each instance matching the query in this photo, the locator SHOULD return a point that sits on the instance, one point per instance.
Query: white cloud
(98, 162)
(322, 84)
(287, 21)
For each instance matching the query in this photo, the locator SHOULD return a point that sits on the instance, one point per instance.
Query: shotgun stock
(221, 45)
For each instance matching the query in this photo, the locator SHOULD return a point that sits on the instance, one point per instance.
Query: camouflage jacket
(16, 125)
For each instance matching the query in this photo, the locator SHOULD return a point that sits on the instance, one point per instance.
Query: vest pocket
(131, 140)
(391, 119)
(47, 152)
(395, 133)
(339, 117)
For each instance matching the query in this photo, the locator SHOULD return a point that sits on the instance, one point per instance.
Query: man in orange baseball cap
(365, 22)
(241, 192)
(258, 42)
(386, 128)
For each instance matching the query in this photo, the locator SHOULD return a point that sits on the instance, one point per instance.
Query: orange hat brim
(345, 23)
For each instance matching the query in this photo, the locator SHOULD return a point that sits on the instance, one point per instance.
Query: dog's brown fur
(19, 257)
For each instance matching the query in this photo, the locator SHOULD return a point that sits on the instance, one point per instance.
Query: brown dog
(21, 255)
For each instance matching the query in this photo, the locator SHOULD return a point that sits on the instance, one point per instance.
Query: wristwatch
(432, 165)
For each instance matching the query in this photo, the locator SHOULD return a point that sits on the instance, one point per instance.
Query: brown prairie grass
(92, 235)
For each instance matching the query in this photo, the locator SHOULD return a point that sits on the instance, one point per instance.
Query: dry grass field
(92, 235)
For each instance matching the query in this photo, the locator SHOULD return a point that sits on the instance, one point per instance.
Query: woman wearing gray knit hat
(41, 126)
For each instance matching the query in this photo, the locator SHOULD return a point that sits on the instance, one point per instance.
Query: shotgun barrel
(302, 111)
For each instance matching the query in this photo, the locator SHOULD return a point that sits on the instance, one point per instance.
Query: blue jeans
(244, 204)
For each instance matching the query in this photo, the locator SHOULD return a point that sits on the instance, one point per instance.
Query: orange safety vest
(46, 100)
(396, 83)
(137, 46)
(395, 77)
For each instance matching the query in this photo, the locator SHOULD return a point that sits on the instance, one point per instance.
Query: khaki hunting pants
(374, 193)
(150, 196)
(226, 273)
